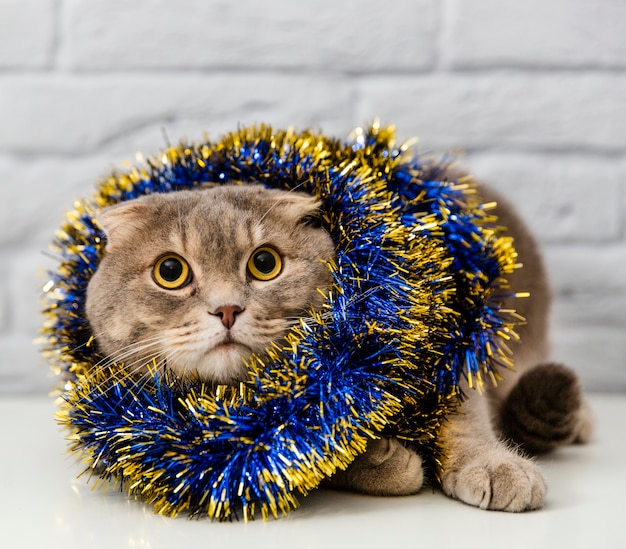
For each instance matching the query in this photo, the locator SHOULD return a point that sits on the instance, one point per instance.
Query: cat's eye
(265, 263)
(171, 272)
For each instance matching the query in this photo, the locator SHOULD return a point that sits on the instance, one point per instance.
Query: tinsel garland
(414, 307)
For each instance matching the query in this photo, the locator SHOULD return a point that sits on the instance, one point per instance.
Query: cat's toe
(509, 483)
(585, 424)
(545, 410)
(387, 468)
(382, 450)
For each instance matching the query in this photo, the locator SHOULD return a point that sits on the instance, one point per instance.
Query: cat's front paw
(386, 468)
(503, 482)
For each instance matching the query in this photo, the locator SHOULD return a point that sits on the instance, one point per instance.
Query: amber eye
(265, 263)
(171, 272)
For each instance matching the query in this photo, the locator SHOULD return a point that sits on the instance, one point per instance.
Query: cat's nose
(227, 314)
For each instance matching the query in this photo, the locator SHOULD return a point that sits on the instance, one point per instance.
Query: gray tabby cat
(202, 279)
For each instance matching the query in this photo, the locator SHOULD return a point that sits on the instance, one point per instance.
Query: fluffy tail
(545, 410)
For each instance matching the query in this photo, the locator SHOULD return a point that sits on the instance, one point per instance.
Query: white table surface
(43, 504)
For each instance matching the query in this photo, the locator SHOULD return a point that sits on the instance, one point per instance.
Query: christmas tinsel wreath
(414, 307)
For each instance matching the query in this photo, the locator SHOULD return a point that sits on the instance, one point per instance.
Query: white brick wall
(27, 34)
(533, 93)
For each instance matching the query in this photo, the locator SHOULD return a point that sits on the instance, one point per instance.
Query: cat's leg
(481, 470)
(386, 468)
(545, 410)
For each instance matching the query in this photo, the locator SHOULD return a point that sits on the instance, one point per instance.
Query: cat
(201, 279)
(489, 446)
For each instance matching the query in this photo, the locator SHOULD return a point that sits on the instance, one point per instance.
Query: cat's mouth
(220, 362)
(229, 344)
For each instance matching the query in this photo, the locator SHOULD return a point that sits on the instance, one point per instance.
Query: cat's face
(199, 280)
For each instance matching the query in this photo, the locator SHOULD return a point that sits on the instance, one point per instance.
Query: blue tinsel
(413, 308)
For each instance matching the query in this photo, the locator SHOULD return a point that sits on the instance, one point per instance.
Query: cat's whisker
(120, 358)
(295, 320)
(81, 346)
(180, 334)
(276, 203)
(131, 370)
(147, 378)
(364, 295)
(131, 346)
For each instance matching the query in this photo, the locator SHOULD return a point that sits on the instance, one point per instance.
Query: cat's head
(201, 279)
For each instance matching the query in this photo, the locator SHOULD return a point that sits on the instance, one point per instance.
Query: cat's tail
(546, 410)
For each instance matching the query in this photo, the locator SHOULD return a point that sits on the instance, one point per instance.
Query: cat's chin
(224, 364)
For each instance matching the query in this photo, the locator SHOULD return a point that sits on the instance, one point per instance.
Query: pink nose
(228, 314)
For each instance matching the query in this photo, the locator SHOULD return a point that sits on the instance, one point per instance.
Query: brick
(596, 270)
(27, 278)
(22, 369)
(588, 314)
(76, 115)
(26, 33)
(352, 35)
(588, 335)
(595, 353)
(37, 191)
(536, 33)
(623, 201)
(563, 198)
(4, 299)
(601, 309)
(501, 110)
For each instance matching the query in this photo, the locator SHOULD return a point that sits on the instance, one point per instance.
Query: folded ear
(302, 207)
(122, 221)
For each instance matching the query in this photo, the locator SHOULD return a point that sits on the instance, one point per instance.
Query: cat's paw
(386, 468)
(546, 410)
(585, 424)
(501, 482)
